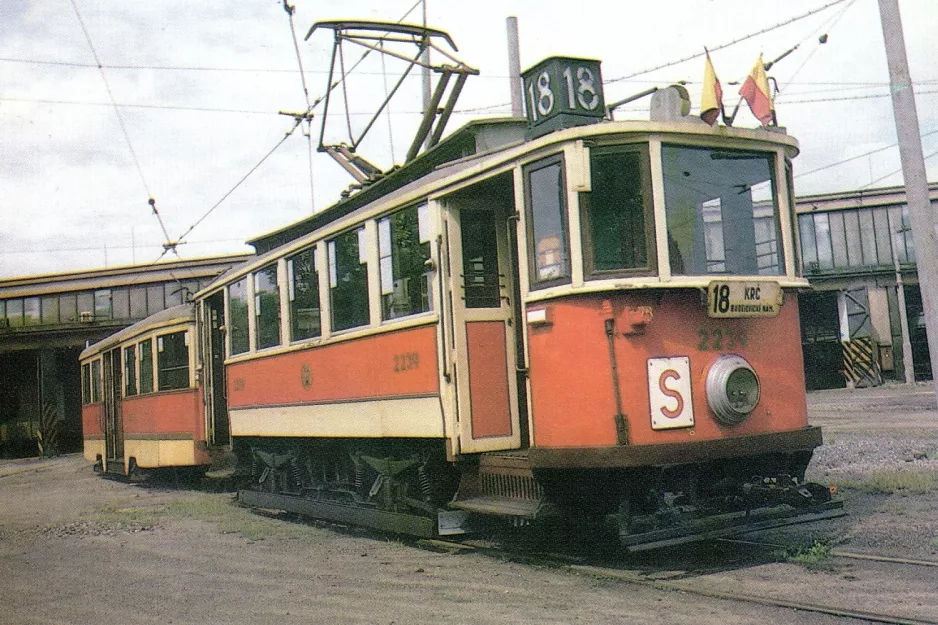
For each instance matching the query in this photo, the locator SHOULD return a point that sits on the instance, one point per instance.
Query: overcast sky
(199, 85)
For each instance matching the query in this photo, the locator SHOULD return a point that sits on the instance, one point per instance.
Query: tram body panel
(92, 427)
(573, 398)
(373, 386)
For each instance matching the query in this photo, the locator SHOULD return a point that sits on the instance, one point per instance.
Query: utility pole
(907, 368)
(425, 57)
(913, 172)
(514, 67)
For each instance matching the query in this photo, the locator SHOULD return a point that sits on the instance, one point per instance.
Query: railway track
(690, 580)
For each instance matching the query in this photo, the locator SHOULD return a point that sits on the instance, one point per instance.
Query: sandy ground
(76, 548)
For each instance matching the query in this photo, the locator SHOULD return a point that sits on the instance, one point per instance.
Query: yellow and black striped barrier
(861, 367)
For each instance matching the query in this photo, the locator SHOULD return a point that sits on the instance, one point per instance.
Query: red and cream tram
(597, 320)
(141, 406)
(559, 316)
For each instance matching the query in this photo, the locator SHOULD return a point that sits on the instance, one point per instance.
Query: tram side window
(172, 361)
(616, 212)
(267, 307)
(95, 381)
(146, 366)
(238, 316)
(305, 319)
(348, 280)
(86, 384)
(549, 254)
(722, 211)
(404, 249)
(130, 370)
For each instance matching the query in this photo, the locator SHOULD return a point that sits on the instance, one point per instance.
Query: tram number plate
(743, 299)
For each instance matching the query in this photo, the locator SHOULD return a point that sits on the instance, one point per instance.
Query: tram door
(213, 348)
(483, 341)
(113, 419)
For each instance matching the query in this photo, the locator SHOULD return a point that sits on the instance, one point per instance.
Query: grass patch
(817, 557)
(895, 483)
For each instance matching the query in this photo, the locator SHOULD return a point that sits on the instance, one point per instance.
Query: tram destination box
(560, 92)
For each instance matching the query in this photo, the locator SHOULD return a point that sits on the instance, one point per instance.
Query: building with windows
(858, 251)
(45, 322)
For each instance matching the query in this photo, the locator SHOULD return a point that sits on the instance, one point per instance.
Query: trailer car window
(130, 370)
(267, 307)
(238, 316)
(86, 384)
(404, 249)
(95, 381)
(305, 316)
(172, 361)
(146, 366)
(348, 280)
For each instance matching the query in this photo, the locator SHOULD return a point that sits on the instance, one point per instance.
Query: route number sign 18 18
(560, 92)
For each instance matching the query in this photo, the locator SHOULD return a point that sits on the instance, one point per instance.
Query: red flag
(711, 99)
(757, 94)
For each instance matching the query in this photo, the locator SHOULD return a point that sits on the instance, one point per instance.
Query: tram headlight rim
(730, 411)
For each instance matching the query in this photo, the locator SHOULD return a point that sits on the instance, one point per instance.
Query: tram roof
(475, 137)
(176, 314)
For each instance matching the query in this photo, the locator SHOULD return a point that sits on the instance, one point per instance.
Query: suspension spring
(424, 480)
(295, 472)
(359, 476)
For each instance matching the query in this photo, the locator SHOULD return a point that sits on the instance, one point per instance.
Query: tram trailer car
(598, 323)
(141, 405)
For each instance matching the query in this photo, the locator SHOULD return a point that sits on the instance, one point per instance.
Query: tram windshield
(722, 211)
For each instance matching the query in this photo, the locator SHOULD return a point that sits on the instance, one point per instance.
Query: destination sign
(743, 299)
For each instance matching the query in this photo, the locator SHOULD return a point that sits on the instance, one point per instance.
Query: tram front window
(722, 212)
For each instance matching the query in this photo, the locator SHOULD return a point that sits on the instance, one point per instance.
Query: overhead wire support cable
(727, 45)
(308, 116)
(241, 181)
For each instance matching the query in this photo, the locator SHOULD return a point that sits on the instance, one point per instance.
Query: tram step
(502, 506)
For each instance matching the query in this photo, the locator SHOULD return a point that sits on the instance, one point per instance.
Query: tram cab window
(305, 317)
(549, 255)
(404, 249)
(130, 370)
(348, 280)
(172, 361)
(616, 213)
(146, 366)
(238, 316)
(267, 307)
(722, 212)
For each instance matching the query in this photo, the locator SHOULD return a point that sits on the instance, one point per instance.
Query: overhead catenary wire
(856, 157)
(897, 171)
(110, 94)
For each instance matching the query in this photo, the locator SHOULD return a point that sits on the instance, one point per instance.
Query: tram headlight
(732, 389)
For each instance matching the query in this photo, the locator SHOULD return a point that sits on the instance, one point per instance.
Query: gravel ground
(881, 452)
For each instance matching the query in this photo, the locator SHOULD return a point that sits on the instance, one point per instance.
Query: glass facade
(855, 239)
